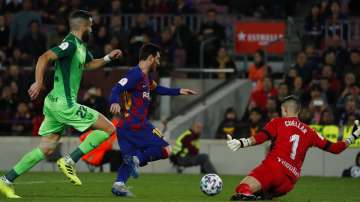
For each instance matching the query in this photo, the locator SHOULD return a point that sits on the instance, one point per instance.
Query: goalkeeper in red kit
(281, 169)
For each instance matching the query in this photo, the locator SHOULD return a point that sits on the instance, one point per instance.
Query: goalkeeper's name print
(296, 124)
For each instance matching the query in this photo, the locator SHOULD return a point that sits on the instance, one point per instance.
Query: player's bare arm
(97, 63)
(41, 66)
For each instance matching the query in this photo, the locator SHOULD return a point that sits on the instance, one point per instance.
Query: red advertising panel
(250, 36)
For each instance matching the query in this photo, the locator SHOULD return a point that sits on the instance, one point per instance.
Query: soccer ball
(211, 184)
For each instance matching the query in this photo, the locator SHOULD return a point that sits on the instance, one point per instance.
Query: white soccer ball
(211, 184)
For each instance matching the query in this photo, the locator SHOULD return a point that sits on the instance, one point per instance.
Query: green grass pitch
(53, 187)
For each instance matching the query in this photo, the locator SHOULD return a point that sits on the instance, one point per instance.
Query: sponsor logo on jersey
(64, 45)
(146, 95)
(123, 81)
(288, 166)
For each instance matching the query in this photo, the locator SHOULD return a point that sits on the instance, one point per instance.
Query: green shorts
(58, 115)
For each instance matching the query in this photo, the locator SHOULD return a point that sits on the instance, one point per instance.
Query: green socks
(28, 161)
(94, 139)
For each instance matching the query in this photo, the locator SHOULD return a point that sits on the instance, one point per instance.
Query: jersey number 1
(294, 139)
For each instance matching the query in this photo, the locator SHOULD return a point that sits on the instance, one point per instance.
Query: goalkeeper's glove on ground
(235, 144)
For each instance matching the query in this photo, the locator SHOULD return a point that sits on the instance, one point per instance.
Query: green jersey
(72, 56)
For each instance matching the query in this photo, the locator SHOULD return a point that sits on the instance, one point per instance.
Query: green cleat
(69, 171)
(7, 188)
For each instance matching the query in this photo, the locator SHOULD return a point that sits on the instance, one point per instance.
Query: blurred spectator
(21, 122)
(314, 26)
(350, 109)
(102, 36)
(60, 33)
(47, 10)
(182, 7)
(283, 91)
(212, 32)
(229, 125)
(13, 5)
(259, 96)
(141, 33)
(328, 94)
(303, 68)
(350, 90)
(354, 65)
(7, 107)
(305, 115)
(117, 31)
(15, 75)
(93, 98)
(223, 61)
(34, 42)
(259, 69)
(327, 73)
(116, 7)
(340, 57)
(21, 21)
(157, 7)
(353, 171)
(19, 58)
(298, 89)
(313, 60)
(184, 40)
(254, 124)
(186, 150)
(335, 21)
(272, 107)
(289, 78)
(327, 117)
(167, 46)
(317, 103)
(4, 33)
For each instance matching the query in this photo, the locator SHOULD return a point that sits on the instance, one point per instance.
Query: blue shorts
(131, 141)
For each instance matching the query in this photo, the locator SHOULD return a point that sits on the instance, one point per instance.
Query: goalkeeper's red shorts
(273, 180)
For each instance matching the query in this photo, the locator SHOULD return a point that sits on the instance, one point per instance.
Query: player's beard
(86, 36)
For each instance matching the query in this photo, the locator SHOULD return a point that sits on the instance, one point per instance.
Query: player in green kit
(60, 106)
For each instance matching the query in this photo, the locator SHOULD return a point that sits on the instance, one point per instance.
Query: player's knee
(244, 188)
(166, 152)
(48, 145)
(110, 129)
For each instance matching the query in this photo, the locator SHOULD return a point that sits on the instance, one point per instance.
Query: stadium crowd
(324, 74)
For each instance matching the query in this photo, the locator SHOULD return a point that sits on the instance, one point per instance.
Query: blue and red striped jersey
(132, 92)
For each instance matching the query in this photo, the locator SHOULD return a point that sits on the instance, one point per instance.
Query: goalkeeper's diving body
(139, 141)
(60, 106)
(290, 139)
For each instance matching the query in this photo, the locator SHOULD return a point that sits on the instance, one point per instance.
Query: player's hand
(115, 108)
(185, 91)
(233, 144)
(34, 90)
(356, 129)
(115, 54)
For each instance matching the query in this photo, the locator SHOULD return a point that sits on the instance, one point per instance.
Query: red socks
(243, 189)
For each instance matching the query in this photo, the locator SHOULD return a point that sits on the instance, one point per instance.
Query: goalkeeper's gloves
(235, 144)
(355, 133)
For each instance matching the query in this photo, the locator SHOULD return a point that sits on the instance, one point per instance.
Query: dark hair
(80, 14)
(261, 53)
(291, 98)
(148, 49)
(355, 50)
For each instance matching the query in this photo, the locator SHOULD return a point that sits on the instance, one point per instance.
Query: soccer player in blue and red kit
(139, 141)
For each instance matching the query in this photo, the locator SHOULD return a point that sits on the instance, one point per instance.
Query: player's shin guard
(243, 189)
(94, 139)
(28, 161)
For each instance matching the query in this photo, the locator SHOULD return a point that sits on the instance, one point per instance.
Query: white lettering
(296, 124)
